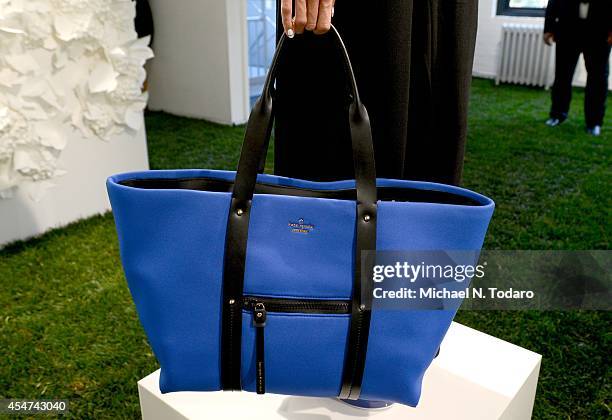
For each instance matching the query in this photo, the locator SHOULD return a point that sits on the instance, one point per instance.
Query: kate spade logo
(301, 227)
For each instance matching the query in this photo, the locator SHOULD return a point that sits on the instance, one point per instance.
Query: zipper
(260, 307)
(259, 320)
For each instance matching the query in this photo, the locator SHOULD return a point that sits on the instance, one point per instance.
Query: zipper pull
(259, 320)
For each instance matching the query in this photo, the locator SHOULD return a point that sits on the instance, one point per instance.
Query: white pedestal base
(476, 376)
(80, 193)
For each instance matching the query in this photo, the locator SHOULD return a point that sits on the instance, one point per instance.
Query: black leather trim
(252, 159)
(361, 305)
(258, 131)
(383, 193)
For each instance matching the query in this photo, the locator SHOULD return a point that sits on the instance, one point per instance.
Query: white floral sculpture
(65, 65)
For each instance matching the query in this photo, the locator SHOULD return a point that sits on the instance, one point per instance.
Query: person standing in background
(580, 26)
(413, 65)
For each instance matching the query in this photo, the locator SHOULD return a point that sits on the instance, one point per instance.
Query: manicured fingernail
(290, 33)
(310, 27)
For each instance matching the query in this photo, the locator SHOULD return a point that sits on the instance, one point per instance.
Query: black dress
(413, 63)
(144, 19)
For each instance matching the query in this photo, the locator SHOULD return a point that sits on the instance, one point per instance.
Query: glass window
(530, 4)
(261, 25)
(521, 7)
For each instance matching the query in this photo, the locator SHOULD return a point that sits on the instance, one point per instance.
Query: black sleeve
(144, 19)
(552, 16)
(609, 14)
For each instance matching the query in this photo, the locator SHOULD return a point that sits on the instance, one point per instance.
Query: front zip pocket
(260, 306)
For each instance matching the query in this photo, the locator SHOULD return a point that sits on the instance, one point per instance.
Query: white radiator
(524, 58)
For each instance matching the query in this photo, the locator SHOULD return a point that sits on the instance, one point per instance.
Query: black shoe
(553, 122)
(594, 131)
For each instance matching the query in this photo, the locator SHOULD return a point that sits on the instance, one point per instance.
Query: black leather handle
(252, 156)
(259, 128)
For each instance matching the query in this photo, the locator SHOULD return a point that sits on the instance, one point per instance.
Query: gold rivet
(239, 212)
(259, 314)
(366, 218)
(232, 301)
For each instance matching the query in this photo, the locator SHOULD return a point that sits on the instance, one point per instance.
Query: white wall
(489, 37)
(200, 64)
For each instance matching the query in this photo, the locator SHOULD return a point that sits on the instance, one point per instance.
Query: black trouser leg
(567, 54)
(596, 56)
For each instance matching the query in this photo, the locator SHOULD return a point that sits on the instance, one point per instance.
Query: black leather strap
(258, 130)
(252, 160)
(361, 307)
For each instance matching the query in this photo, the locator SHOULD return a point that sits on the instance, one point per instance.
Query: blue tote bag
(246, 281)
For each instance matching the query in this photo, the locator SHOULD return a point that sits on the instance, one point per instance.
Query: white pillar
(80, 193)
(201, 62)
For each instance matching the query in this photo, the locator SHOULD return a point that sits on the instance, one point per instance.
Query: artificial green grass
(68, 328)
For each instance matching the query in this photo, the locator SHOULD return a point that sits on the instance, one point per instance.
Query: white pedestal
(80, 193)
(475, 377)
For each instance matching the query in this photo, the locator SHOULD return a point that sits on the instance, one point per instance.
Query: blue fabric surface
(172, 248)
